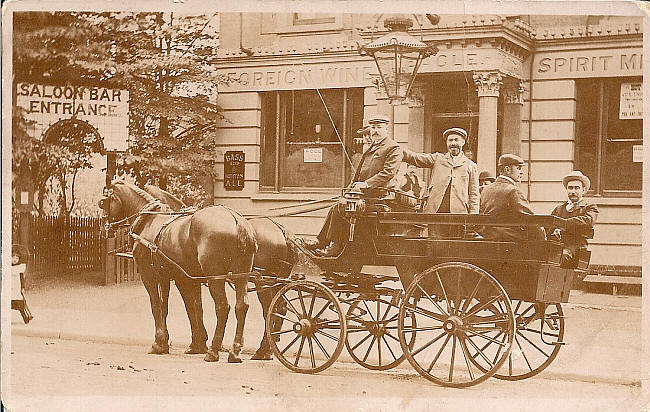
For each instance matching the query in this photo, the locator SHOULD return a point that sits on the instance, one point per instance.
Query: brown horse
(276, 254)
(212, 242)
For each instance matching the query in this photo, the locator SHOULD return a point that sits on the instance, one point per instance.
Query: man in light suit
(453, 184)
(378, 165)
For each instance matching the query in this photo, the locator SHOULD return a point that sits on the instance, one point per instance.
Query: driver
(378, 165)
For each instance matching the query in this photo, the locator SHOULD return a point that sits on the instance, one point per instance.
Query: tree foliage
(162, 59)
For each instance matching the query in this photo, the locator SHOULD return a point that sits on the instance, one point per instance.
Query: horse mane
(164, 196)
(146, 196)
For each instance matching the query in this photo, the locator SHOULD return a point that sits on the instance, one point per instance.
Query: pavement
(78, 309)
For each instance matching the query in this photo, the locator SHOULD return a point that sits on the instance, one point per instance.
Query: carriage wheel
(372, 332)
(457, 306)
(535, 347)
(306, 327)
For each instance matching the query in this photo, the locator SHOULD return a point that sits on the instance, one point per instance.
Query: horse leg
(222, 308)
(150, 282)
(264, 295)
(163, 287)
(191, 293)
(241, 308)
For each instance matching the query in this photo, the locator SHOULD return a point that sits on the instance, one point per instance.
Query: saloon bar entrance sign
(234, 170)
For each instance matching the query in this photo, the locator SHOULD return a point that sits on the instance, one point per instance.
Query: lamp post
(398, 56)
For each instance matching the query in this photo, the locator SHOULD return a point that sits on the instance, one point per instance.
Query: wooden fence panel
(120, 266)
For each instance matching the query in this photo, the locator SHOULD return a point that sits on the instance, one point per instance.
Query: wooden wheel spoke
(334, 338)
(302, 302)
(311, 303)
(320, 312)
(517, 308)
(281, 332)
(433, 362)
(292, 308)
(431, 342)
(279, 315)
(374, 338)
(369, 311)
(379, 350)
(465, 355)
(290, 344)
(427, 313)
(433, 301)
(453, 357)
(473, 294)
(534, 345)
(302, 343)
(480, 352)
(322, 348)
(505, 337)
(537, 332)
(481, 306)
(392, 337)
(493, 340)
(522, 314)
(420, 329)
(444, 293)
(361, 342)
(311, 352)
(389, 348)
(523, 353)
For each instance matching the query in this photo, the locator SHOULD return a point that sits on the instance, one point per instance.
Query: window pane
(313, 155)
(267, 165)
(588, 97)
(619, 171)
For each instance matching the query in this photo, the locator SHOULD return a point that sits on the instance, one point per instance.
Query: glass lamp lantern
(398, 56)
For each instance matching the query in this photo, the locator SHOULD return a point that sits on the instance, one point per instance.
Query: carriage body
(501, 292)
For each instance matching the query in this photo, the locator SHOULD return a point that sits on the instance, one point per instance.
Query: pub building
(563, 92)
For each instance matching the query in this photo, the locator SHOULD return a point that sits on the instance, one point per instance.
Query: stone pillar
(488, 84)
(513, 99)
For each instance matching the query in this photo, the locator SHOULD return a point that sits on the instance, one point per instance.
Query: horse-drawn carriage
(459, 309)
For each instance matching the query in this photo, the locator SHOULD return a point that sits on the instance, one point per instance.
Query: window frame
(280, 141)
(597, 189)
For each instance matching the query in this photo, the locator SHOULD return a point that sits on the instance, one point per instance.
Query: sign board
(588, 63)
(631, 106)
(107, 110)
(637, 153)
(234, 163)
(313, 155)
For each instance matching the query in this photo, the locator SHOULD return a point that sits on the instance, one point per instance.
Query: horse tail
(245, 234)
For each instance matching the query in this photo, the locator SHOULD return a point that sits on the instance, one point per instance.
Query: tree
(157, 57)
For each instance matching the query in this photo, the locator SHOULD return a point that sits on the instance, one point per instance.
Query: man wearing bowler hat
(580, 217)
(484, 179)
(504, 199)
(378, 165)
(453, 184)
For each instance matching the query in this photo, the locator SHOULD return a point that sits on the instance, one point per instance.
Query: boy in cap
(504, 198)
(378, 165)
(454, 179)
(580, 217)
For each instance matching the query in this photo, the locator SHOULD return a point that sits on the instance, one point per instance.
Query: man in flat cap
(454, 179)
(580, 217)
(484, 179)
(378, 165)
(504, 198)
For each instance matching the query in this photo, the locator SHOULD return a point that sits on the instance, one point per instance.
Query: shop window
(609, 135)
(304, 133)
(312, 18)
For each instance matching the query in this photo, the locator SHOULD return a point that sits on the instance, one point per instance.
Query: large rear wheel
(457, 308)
(306, 327)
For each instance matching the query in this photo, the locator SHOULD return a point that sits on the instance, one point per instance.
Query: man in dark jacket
(580, 218)
(378, 165)
(504, 199)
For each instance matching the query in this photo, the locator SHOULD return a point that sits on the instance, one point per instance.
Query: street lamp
(398, 56)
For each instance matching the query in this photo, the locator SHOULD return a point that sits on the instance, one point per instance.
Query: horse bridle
(127, 221)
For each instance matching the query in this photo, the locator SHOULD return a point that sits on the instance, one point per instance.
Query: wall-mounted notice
(631, 106)
(234, 170)
(637, 153)
(313, 155)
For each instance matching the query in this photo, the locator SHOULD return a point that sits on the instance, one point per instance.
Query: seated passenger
(378, 165)
(504, 199)
(484, 178)
(580, 218)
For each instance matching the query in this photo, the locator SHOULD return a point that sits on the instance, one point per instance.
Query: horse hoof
(193, 350)
(262, 355)
(211, 357)
(157, 349)
(232, 358)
